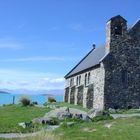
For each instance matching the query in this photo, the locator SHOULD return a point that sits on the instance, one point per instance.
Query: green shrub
(25, 101)
(100, 118)
(51, 100)
(55, 121)
(35, 103)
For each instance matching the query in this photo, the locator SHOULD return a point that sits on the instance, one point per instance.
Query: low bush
(51, 100)
(35, 103)
(25, 101)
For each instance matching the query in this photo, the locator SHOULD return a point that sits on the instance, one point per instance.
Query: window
(79, 79)
(86, 79)
(124, 77)
(89, 78)
(118, 30)
(71, 82)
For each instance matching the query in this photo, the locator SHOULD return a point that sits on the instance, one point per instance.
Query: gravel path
(18, 135)
(115, 116)
(23, 135)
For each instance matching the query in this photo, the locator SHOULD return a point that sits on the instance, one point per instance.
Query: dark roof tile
(90, 60)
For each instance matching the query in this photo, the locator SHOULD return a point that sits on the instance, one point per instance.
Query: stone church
(108, 76)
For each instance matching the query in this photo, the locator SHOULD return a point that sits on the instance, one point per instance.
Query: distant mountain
(36, 92)
(4, 92)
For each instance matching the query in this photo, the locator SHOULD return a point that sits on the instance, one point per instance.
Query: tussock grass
(42, 136)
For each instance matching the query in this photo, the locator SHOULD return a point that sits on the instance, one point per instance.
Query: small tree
(25, 101)
(51, 100)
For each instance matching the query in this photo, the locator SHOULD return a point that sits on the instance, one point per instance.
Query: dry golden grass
(41, 136)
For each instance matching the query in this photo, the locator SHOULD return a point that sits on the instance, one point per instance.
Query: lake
(8, 98)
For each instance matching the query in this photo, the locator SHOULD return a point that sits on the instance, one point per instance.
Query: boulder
(86, 118)
(111, 110)
(94, 113)
(22, 124)
(61, 114)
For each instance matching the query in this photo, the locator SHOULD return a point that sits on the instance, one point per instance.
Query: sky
(41, 40)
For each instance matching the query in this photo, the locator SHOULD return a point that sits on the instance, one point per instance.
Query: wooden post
(13, 99)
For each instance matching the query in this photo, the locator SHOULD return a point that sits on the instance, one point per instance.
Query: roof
(93, 58)
(118, 16)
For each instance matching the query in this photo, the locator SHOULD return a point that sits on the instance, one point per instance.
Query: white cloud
(13, 79)
(38, 58)
(9, 43)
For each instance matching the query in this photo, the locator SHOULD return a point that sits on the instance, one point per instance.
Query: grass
(128, 111)
(121, 129)
(42, 136)
(62, 104)
(11, 115)
(99, 129)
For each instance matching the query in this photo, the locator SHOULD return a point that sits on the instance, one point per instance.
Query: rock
(94, 113)
(89, 129)
(64, 112)
(37, 120)
(61, 114)
(25, 124)
(64, 116)
(52, 106)
(108, 125)
(86, 118)
(22, 124)
(28, 124)
(51, 128)
(111, 110)
(77, 116)
(43, 120)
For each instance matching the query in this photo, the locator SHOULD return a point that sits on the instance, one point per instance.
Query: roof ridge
(134, 24)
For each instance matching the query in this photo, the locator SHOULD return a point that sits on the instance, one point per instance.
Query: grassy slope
(10, 116)
(122, 129)
(62, 104)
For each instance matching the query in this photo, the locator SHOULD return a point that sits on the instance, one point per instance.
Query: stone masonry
(113, 79)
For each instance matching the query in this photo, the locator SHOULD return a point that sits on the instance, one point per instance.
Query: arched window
(79, 79)
(89, 78)
(118, 30)
(86, 79)
(71, 82)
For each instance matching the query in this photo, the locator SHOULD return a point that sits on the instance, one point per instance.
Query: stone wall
(66, 95)
(80, 95)
(115, 83)
(72, 95)
(90, 95)
(122, 73)
(98, 82)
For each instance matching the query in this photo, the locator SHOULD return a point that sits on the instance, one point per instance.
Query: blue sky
(41, 40)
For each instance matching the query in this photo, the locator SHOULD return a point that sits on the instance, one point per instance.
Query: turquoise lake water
(8, 98)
